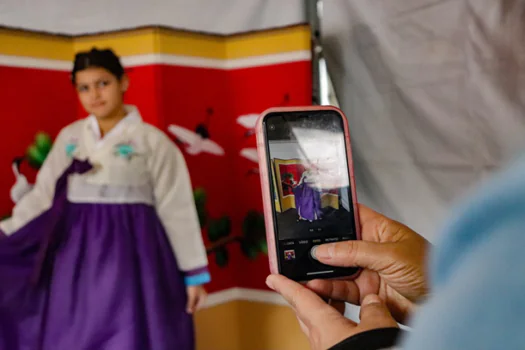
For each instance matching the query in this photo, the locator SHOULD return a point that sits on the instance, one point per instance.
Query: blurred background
(430, 89)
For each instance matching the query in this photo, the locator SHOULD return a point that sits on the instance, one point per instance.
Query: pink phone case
(265, 181)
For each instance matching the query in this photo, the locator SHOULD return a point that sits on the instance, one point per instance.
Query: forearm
(185, 237)
(188, 247)
(175, 206)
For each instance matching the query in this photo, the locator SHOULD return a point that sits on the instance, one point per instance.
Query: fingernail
(371, 299)
(269, 282)
(314, 252)
(325, 251)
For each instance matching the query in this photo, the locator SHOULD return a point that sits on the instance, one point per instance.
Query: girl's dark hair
(99, 59)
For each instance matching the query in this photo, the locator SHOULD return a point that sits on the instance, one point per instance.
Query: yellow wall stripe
(268, 42)
(126, 43)
(191, 44)
(35, 45)
(158, 41)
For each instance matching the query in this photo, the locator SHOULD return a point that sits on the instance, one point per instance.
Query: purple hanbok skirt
(307, 202)
(92, 277)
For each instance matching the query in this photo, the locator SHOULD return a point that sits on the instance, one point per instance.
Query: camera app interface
(311, 189)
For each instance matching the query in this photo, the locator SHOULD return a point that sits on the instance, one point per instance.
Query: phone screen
(311, 189)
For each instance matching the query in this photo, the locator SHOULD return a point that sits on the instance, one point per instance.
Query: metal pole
(313, 17)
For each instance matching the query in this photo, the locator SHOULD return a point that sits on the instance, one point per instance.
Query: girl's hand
(196, 298)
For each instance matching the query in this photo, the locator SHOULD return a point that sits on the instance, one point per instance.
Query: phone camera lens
(272, 127)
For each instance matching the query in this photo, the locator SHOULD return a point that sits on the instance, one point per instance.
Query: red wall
(145, 92)
(186, 95)
(169, 95)
(255, 90)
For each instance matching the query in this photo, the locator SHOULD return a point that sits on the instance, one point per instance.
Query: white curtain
(434, 91)
(212, 16)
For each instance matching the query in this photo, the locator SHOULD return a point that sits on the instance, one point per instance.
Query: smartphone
(307, 180)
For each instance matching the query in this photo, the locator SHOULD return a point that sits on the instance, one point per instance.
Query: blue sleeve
(478, 274)
(197, 280)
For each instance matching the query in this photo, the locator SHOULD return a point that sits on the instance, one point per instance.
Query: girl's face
(100, 92)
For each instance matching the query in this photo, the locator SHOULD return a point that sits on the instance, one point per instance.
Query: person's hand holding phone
(393, 260)
(324, 324)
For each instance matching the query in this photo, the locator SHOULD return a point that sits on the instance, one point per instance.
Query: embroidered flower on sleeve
(71, 147)
(125, 150)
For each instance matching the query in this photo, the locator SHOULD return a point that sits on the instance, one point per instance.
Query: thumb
(365, 254)
(375, 314)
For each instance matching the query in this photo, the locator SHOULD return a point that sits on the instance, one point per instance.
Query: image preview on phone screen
(310, 183)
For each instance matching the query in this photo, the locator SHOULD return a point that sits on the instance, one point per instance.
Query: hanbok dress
(98, 255)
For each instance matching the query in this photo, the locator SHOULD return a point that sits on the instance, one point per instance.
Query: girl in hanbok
(307, 199)
(105, 252)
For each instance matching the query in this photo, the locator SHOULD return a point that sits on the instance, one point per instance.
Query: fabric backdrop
(434, 90)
